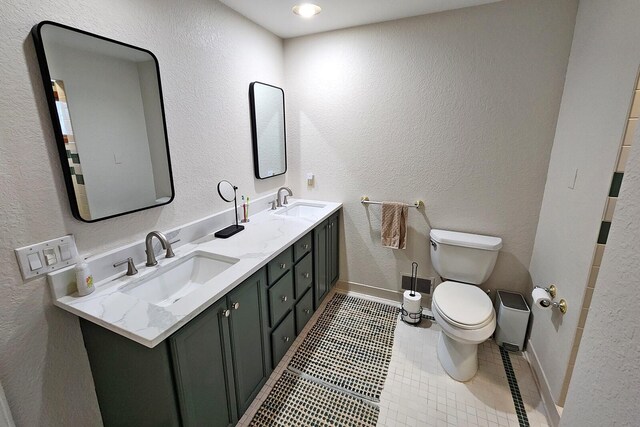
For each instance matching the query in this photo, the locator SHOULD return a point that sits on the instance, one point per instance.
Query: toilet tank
(464, 257)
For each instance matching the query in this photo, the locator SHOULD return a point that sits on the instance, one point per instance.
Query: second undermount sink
(178, 279)
(302, 210)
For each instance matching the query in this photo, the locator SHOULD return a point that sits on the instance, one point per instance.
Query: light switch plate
(56, 248)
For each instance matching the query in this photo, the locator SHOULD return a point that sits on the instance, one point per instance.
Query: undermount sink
(176, 280)
(302, 210)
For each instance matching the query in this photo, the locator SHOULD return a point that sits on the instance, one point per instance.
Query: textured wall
(599, 87)
(208, 56)
(604, 388)
(458, 109)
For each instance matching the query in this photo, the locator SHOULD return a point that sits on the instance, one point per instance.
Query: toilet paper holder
(553, 291)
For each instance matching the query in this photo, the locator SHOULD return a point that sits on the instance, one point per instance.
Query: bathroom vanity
(155, 363)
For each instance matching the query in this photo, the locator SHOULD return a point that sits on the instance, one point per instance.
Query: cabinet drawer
(304, 275)
(281, 298)
(279, 265)
(304, 311)
(282, 337)
(302, 246)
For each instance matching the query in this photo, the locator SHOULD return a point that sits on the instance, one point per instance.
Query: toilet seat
(463, 306)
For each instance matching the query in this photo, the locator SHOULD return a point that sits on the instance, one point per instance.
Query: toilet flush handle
(434, 244)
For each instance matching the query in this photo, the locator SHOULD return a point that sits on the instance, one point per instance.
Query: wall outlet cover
(423, 285)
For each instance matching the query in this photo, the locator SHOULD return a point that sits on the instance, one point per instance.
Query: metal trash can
(512, 318)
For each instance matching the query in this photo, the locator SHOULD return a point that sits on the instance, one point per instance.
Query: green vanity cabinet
(326, 256)
(211, 369)
(206, 373)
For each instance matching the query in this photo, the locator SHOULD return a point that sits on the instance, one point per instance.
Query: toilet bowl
(463, 310)
(467, 318)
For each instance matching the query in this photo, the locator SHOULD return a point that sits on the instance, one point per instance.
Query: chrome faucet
(151, 256)
(285, 201)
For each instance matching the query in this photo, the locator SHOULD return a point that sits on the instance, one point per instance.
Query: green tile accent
(68, 154)
(604, 232)
(616, 182)
(75, 158)
(73, 171)
(80, 179)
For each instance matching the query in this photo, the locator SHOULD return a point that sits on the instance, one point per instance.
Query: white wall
(208, 56)
(604, 388)
(595, 105)
(458, 109)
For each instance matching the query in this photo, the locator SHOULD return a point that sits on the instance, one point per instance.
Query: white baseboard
(553, 411)
(386, 296)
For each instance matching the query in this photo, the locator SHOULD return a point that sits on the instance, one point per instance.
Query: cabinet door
(202, 368)
(247, 330)
(333, 250)
(321, 271)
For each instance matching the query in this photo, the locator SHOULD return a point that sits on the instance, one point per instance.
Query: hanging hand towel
(394, 225)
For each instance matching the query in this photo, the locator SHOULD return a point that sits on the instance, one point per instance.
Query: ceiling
(277, 17)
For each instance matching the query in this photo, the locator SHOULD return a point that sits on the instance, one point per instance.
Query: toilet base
(459, 360)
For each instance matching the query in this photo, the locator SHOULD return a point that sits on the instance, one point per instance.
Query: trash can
(512, 314)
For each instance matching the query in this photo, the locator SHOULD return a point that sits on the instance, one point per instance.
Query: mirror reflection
(106, 106)
(268, 129)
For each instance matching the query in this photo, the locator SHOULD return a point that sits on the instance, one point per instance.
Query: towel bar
(365, 201)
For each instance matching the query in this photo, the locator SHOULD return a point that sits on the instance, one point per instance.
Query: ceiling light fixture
(306, 10)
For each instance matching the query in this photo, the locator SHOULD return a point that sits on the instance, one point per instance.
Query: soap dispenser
(84, 279)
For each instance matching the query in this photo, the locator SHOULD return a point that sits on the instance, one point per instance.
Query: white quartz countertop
(264, 237)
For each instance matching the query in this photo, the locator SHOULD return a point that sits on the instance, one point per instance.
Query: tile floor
(418, 392)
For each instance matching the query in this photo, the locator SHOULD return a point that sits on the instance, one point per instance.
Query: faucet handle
(170, 253)
(285, 201)
(274, 204)
(131, 268)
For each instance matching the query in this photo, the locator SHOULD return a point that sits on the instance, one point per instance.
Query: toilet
(463, 310)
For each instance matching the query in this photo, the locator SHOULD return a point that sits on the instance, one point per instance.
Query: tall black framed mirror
(105, 101)
(268, 130)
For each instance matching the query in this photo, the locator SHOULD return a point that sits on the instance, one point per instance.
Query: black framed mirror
(105, 101)
(268, 130)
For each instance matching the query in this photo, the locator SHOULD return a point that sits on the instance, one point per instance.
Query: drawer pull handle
(236, 305)
(305, 246)
(283, 266)
(306, 275)
(226, 313)
(307, 311)
(286, 339)
(283, 298)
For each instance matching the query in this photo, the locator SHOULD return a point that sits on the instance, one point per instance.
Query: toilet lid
(464, 304)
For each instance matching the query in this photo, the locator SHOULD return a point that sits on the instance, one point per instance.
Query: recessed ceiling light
(306, 10)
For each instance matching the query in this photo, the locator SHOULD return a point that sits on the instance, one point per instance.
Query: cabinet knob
(307, 311)
(283, 266)
(286, 339)
(235, 305)
(305, 275)
(226, 313)
(283, 298)
(305, 246)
